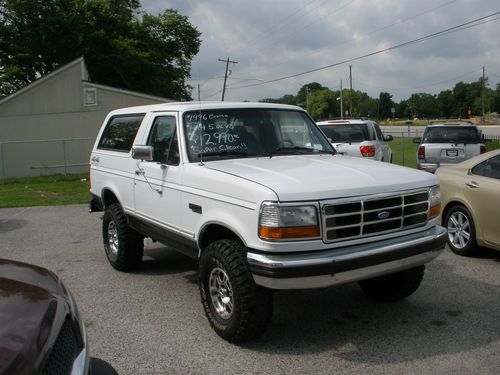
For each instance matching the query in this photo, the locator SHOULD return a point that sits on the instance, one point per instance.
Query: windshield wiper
(224, 153)
(301, 150)
(233, 153)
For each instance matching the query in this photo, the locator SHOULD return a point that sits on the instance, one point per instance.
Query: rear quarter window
(120, 133)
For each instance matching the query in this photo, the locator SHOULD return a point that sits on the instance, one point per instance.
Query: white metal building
(49, 126)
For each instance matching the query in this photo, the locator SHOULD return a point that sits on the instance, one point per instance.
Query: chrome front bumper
(325, 268)
(429, 167)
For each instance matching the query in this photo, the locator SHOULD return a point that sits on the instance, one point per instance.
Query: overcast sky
(276, 38)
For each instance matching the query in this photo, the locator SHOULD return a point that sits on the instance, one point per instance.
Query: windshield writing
(231, 133)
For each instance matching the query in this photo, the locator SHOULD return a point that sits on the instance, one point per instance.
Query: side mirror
(388, 138)
(417, 140)
(140, 152)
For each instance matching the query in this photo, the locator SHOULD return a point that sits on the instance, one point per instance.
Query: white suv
(359, 138)
(448, 144)
(256, 193)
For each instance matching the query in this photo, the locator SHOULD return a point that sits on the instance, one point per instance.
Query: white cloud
(275, 38)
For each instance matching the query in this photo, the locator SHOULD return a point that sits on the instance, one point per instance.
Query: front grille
(370, 216)
(63, 353)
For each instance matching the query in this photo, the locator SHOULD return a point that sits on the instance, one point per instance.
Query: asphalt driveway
(152, 321)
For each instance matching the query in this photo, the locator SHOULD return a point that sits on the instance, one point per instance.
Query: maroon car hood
(29, 298)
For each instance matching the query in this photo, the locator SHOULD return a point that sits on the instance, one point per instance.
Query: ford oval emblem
(383, 215)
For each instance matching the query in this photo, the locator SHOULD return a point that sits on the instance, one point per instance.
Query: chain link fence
(44, 157)
(67, 156)
(404, 151)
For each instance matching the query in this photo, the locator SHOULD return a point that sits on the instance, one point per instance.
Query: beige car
(471, 203)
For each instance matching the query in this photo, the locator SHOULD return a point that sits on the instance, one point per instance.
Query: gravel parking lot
(152, 321)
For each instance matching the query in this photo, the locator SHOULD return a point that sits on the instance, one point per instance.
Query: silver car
(359, 138)
(445, 144)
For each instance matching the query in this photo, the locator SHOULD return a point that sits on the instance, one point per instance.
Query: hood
(29, 299)
(317, 177)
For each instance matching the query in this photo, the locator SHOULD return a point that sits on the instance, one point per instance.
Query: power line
(386, 26)
(450, 30)
(420, 86)
(279, 25)
(374, 31)
(309, 24)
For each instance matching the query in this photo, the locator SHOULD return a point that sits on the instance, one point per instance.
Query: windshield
(249, 132)
(452, 134)
(346, 133)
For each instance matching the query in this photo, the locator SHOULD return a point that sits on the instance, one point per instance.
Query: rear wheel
(461, 231)
(123, 245)
(236, 307)
(395, 286)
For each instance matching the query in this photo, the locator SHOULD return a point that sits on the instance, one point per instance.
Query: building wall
(47, 128)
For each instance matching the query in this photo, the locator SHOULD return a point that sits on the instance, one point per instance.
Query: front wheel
(395, 286)
(123, 245)
(236, 307)
(461, 231)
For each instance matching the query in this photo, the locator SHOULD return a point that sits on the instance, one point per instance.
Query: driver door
(157, 193)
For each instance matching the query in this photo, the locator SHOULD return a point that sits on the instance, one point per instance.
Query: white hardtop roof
(197, 106)
(343, 122)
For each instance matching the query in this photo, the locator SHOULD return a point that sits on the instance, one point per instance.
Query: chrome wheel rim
(113, 238)
(221, 293)
(459, 230)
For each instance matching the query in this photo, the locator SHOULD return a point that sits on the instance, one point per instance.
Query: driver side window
(163, 138)
(488, 168)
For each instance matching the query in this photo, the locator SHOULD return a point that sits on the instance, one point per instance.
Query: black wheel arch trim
(221, 224)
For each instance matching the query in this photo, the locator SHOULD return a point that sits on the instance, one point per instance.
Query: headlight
(288, 222)
(434, 201)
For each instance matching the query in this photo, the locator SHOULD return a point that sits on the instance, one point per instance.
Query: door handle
(472, 184)
(95, 159)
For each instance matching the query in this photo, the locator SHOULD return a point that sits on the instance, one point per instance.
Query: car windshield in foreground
(248, 132)
(346, 133)
(452, 134)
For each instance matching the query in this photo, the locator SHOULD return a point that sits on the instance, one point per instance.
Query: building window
(89, 96)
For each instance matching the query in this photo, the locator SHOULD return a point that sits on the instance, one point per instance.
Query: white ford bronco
(257, 194)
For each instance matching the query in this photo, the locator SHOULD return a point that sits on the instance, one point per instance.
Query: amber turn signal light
(434, 211)
(273, 233)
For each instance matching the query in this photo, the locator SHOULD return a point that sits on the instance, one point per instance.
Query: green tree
(367, 106)
(445, 103)
(305, 92)
(122, 47)
(496, 99)
(322, 104)
(385, 105)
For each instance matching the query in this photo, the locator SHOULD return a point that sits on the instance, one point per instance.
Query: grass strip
(44, 191)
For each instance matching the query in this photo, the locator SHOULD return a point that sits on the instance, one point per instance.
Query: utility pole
(227, 61)
(341, 103)
(482, 95)
(350, 90)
